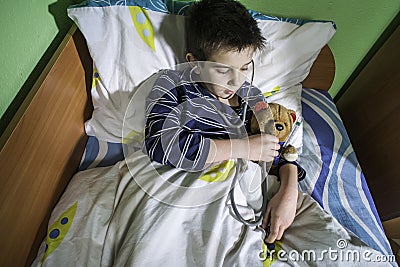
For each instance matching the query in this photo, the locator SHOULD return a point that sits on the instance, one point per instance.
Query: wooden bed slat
(40, 151)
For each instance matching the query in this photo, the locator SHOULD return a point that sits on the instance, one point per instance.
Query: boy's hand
(282, 210)
(263, 147)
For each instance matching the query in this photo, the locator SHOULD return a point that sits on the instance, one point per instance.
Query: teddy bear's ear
(292, 114)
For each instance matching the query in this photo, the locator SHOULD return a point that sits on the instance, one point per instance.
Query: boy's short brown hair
(218, 25)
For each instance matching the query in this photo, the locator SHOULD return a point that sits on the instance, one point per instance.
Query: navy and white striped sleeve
(168, 138)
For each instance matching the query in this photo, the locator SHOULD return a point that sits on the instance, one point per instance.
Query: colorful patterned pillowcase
(130, 41)
(127, 44)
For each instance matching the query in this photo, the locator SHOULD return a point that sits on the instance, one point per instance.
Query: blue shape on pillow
(114, 154)
(140, 18)
(91, 152)
(54, 233)
(155, 5)
(146, 33)
(180, 7)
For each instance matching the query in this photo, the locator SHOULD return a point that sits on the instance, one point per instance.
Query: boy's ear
(190, 57)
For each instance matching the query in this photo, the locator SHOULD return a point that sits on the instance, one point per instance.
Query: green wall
(31, 30)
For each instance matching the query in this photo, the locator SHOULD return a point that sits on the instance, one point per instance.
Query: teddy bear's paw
(290, 153)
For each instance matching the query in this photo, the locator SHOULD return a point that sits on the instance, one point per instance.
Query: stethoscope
(256, 222)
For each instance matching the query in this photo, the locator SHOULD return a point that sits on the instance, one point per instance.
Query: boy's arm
(256, 147)
(167, 139)
(282, 207)
(288, 176)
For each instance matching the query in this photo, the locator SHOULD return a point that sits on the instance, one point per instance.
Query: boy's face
(226, 71)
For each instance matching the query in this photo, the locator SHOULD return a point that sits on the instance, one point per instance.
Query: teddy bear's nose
(279, 127)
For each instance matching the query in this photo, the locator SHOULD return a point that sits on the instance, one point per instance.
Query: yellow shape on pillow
(219, 172)
(274, 90)
(95, 78)
(143, 25)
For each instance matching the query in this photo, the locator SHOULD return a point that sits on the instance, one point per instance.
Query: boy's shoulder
(170, 72)
(171, 83)
(174, 76)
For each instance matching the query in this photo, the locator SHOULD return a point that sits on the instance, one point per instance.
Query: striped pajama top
(181, 118)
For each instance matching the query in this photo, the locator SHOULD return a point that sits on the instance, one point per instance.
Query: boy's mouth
(229, 92)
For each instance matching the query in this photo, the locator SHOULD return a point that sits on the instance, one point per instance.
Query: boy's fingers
(267, 218)
(274, 228)
(271, 138)
(272, 236)
(280, 234)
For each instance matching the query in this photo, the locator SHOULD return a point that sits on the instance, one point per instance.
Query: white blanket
(139, 213)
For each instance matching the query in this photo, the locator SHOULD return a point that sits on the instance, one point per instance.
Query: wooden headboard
(42, 147)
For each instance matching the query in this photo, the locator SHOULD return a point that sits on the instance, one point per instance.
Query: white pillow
(290, 51)
(129, 44)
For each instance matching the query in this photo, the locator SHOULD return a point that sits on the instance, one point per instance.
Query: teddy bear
(276, 120)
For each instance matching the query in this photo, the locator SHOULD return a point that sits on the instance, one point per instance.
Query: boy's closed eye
(223, 70)
(227, 70)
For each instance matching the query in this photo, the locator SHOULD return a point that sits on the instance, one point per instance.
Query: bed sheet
(334, 176)
(141, 213)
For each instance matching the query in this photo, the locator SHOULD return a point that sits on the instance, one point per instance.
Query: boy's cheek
(215, 80)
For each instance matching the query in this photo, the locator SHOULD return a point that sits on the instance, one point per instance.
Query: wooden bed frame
(41, 148)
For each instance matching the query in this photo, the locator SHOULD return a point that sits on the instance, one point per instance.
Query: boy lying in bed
(184, 130)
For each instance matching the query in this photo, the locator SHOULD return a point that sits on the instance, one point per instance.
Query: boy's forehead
(232, 58)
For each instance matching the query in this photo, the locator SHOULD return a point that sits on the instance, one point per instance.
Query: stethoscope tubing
(257, 221)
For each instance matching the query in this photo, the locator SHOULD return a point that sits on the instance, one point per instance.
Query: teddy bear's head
(281, 123)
